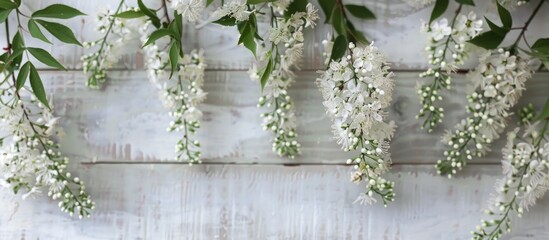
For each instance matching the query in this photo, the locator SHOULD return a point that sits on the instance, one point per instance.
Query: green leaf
(541, 45)
(152, 15)
(4, 14)
(266, 73)
(544, 114)
(466, 2)
(338, 22)
(22, 76)
(340, 47)
(160, 33)
(327, 6)
(360, 11)
(45, 57)
(497, 29)
(37, 86)
(15, 55)
(247, 35)
(130, 14)
(253, 2)
(7, 4)
(439, 9)
(226, 21)
(208, 2)
(295, 6)
(59, 31)
(355, 35)
(487, 40)
(18, 47)
(36, 32)
(505, 16)
(174, 57)
(57, 11)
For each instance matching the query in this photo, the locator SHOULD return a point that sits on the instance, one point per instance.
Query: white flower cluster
(498, 82)
(447, 51)
(182, 97)
(356, 90)
(525, 179)
(287, 51)
(189, 9)
(30, 160)
(236, 9)
(419, 3)
(117, 32)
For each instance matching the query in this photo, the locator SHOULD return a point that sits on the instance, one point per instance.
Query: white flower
(312, 16)
(440, 29)
(189, 9)
(235, 8)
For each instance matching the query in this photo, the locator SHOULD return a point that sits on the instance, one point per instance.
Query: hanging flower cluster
(29, 160)
(182, 97)
(498, 82)
(116, 34)
(357, 89)
(525, 179)
(286, 40)
(447, 51)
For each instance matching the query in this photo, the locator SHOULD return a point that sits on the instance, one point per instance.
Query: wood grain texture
(264, 202)
(127, 122)
(396, 31)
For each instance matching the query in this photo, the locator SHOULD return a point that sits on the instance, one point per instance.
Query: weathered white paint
(264, 202)
(396, 31)
(126, 121)
(125, 124)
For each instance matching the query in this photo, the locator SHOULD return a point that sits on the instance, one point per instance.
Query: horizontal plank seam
(459, 72)
(260, 164)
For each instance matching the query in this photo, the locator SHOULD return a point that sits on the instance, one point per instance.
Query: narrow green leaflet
(439, 9)
(295, 6)
(226, 21)
(266, 73)
(208, 2)
(487, 40)
(59, 31)
(4, 15)
(247, 36)
(37, 86)
(338, 22)
(174, 57)
(505, 16)
(355, 35)
(160, 33)
(18, 47)
(45, 57)
(152, 16)
(540, 49)
(497, 29)
(60, 11)
(7, 4)
(130, 14)
(327, 6)
(340, 47)
(36, 32)
(360, 11)
(22, 76)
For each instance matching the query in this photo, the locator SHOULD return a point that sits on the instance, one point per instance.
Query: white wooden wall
(118, 145)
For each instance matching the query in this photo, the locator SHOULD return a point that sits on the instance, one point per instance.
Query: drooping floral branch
(30, 160)
(357, 88)
(279, 54)
(447, 51)
(525, 169)
(497, 84)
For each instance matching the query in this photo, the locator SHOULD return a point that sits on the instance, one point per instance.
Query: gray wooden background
(117, 141)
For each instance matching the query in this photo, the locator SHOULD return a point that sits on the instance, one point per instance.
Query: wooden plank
(126, 121)
(264, 202)
(396, 31)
